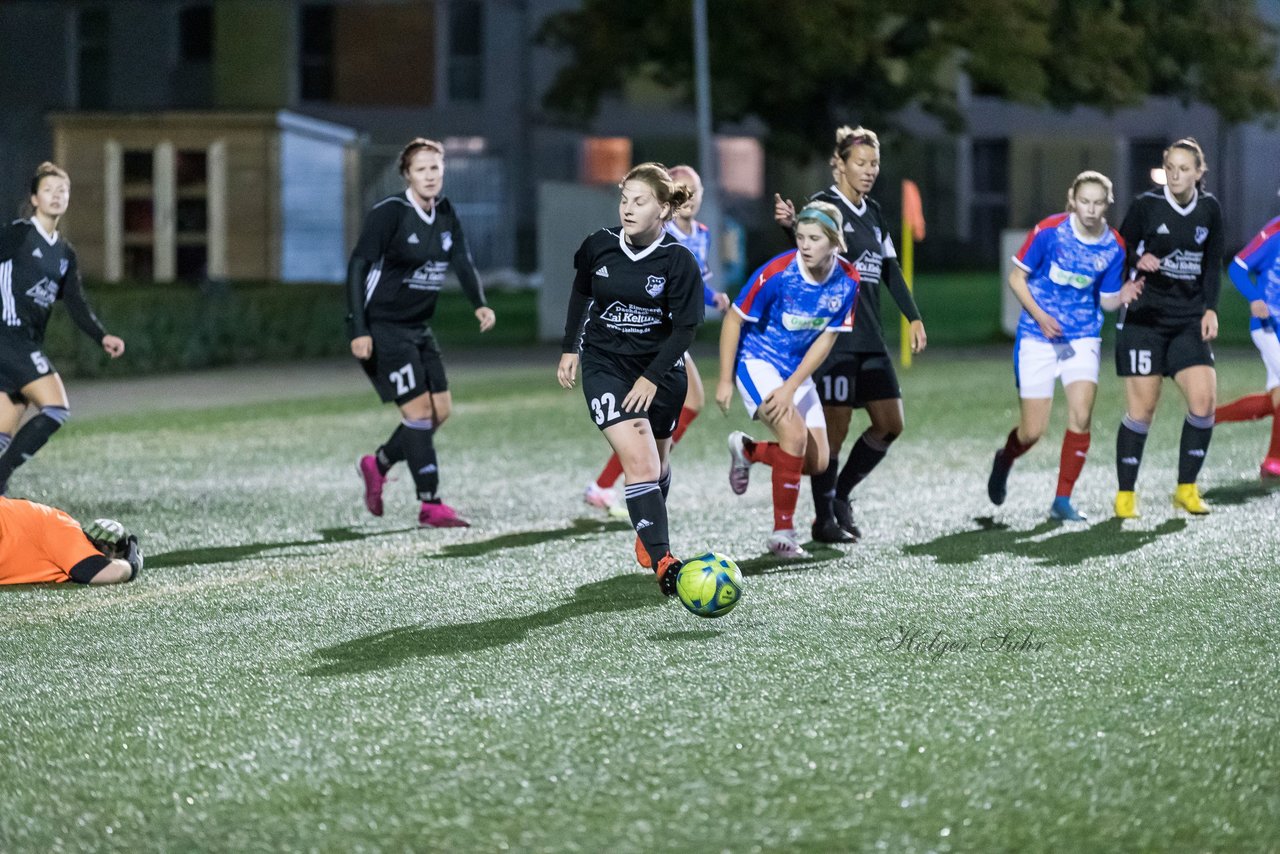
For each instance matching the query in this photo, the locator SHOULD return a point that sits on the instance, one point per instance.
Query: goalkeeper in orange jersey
(41, 544)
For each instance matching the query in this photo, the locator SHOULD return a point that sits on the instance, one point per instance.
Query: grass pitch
(291, 673)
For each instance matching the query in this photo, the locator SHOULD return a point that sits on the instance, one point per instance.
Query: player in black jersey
(1174, 240)
(640, 292)
(408, 243)
(858, 373)
(37, 268)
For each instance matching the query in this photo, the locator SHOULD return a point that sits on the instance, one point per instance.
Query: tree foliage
(804, 67)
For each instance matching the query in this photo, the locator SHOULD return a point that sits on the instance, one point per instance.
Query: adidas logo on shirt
(413, 238)
(37, 253)
(1163, 229)
(603, 272)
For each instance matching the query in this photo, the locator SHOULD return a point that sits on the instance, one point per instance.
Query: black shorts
(1160, 351)
(405, 363)
(22, 361)
(607, 379)
(854, 379)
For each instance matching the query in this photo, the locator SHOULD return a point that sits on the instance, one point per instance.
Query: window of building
(466, 50)
(191, 237)
(138, 198)
(741, 163)
(195, 33)
(604, 159)
(316, 54)
(93, 78)
(990, 203)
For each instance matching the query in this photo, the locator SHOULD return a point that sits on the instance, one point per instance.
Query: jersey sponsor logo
(632, 319)
(1163, 229)
(43, 293)
(36, 253)
(654, 286)
(428, 277)
(446, 240)
(413, 238)
(1068, 279)
(868, 266)
(797, 322)
(1201, 234)
(603, 272)
(1181, 264)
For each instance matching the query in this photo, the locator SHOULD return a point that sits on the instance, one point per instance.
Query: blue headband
(814, 214)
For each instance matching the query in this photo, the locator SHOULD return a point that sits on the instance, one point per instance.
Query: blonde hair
(414, 146)
(47, 170)
(1089, 176)
(827, 217)
(847, 138)
(660, 183)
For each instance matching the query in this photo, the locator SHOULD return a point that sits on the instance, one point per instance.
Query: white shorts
(1268, 343)
(1036, 365)
(757, 378)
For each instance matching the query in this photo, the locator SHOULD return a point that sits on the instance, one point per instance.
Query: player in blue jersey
(1070, 266)
(697, 238)
(1256, 273)
(792, 308)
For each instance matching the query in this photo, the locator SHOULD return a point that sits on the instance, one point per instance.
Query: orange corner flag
(913, 209)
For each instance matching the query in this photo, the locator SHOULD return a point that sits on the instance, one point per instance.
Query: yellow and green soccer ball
(709, 585)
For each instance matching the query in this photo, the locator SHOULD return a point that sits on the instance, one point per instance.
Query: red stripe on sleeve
(777, 265)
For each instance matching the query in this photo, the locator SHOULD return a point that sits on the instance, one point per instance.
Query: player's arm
(1112, 294)
(104, 553)
(72, 293)
(896, 283)
(464, 266)
(1018, 284)
(730, 337)
(685, 303)
(375, 237)
(575, 319)
(813, 359)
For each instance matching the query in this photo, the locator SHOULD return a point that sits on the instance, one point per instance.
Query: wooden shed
(219, 195)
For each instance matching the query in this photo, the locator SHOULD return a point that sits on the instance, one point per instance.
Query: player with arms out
(1256, 274)
(859, 372)
(697, 237)
(793, 309)
(409, 241)
(41, 544)
(638, 291)
(1173, 236)
(1071, 266)
(37, 268)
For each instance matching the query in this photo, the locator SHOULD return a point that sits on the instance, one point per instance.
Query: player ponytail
(1189, 143)
(847, 138)
(47, 170)
(414, 146)
(660, 183)
(1089, 176)
(828, 218)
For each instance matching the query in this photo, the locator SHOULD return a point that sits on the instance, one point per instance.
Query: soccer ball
(709, 585)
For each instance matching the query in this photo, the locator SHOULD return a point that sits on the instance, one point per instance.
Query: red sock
(786, 488)
(1075, 447)
(1274, 451)
(759, 452)
(1014, 448)
(686, 418)
(612, 471)
(1249, 408)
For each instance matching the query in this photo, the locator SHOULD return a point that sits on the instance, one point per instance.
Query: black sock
(420, 452)
(30, 439)
(392, 451)
(1130, 441)
(867, 453)
(824, 489)
(648, 512)
(664, 483)
(1197, 430)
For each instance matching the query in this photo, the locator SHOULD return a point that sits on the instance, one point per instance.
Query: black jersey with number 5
(37, 270)
(640, 298)
(410, 250)
(1188, 241)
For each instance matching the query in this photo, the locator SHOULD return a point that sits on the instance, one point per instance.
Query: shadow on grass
(768, 564)
(1236, 494)
(227, 554)
(579, 527)
(691, 635)
(1071, 546)
(394, 647)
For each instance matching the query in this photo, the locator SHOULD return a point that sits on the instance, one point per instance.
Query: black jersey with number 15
(638, 295)
(1188, 241)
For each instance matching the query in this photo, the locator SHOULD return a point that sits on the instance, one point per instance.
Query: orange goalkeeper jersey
(39, 543)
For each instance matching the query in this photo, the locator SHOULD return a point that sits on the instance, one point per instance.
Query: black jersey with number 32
(638, 295)
(1188, 241)
(37, 270)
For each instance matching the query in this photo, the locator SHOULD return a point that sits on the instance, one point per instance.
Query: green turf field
(291, 673)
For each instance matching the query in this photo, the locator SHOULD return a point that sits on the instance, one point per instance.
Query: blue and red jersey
(1256, 270)
(785, 310)
(699, 243)
(1067, 271)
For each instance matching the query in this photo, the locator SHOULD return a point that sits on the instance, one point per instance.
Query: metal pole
(707, 159)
